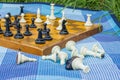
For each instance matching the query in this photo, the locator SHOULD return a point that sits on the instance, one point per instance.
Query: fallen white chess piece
(61, 55)
(88, 22)
(96, 48)
(84, 51)
(70, 45)
(22, 58)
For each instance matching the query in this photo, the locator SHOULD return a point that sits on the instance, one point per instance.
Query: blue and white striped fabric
(107, 68)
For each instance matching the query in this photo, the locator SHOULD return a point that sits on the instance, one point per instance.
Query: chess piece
(88, 22)
(40, 39)
(60, 25)
(15, 21)
(27, 32)
(64, 29)
(70, 45)
(7, 33)
(63, 16)
(84, 51)
(48, 20)
(61, 55)
(50, 57)
(21, 10)
(22, 58)
(47, 35)
(33, 24)
(18, 35)
(96, 49)
(10, 23)
(52, 16)
(38, 19)
(45, 28)
(22, 20)
(76, 63)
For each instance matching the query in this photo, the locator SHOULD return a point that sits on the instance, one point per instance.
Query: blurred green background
(110, 5)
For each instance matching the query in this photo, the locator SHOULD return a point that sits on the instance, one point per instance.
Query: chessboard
(77, 31)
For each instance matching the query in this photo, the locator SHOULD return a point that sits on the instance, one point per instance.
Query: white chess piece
(7, 16)
(84, 51)
(88, 22)
(50, 57)
(96, 48)
(70, 45)
(52, 16)
(78, 64)
(60, 25)
(48, 20)
(38, 19)
(21, 58)
(22, 20)
(63, 16)
(61, 55)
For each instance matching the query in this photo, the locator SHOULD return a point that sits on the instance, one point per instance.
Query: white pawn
(22, 20)
(21, 58)
(78, 64)
(52, 16)
(70, 45)
(96, 49)
(60, 25)
(38, 19)
(84, 51)
(61, 55)
(50, 57)
(88, 22)
(48, 20)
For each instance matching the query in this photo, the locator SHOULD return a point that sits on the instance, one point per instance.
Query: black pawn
(64, 29)
(45, 28)
(40, 39)
(7, 33)
(21, 9)
(18, 35)
(27, 32)
(33, 24)
(47, 35)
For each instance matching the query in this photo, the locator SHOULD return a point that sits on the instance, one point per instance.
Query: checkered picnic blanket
(107, 68)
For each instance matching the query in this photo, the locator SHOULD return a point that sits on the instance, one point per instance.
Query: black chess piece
(33, 24)
(18, 35)
(40, 39)
(64, 29)
(7, 33)
(47, 35)
(21, 10)
(45, 28)
(16, 20)
(27, 32)
(10, 22)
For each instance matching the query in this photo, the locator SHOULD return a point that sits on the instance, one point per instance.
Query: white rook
(88, 22)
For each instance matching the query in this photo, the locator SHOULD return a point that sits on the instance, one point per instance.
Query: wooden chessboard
(76, 29)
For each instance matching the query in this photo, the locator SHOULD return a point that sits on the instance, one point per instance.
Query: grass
(109, 5)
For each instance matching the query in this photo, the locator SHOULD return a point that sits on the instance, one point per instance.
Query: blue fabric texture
(107, 68)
